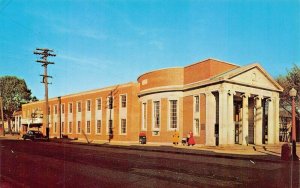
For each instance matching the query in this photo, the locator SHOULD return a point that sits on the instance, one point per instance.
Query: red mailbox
(142, 138)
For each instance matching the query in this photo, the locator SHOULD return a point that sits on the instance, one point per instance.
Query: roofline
(214, 60)
(188, 66)
(84, 92)
(256, 64)
(159, 70)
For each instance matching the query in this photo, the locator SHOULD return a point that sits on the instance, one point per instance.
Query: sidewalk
(267, 153)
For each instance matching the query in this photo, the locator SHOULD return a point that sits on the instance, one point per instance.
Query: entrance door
(217, 133)
(265, 122)
(236, 135)
(251, 121)
(238, 120)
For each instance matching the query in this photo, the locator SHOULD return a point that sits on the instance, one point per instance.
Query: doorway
(238, 120)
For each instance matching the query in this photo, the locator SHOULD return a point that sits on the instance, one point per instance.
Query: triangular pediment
(255, 76)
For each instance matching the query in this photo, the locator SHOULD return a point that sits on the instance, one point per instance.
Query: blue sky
(103, 43)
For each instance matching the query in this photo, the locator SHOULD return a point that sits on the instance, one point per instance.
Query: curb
(182, 152)
(141, 148)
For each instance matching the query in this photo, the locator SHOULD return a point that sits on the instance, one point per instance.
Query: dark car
(32, 135)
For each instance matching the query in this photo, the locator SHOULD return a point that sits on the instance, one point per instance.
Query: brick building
(221, 103)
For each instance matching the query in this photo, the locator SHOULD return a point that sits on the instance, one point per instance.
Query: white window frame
(77, 102)
(55, 127)
(121, 133)
(78, 132)
(97, 103)
(55, 109)
(121, 102)
(62, 127)
(194, 127)
(196, 108)
(62, 107)
(70, 132)
(96, 127)
(196, 114)
(86, 124)
(169, 114)
(153, 115)
(144, 114)
(70, 108)
(86, 105)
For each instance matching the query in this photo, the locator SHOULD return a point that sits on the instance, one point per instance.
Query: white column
(223, 117)
(258, 121)
(231, 125)
(277, 120)
(210, 119)
(245, 121)
(271, 125)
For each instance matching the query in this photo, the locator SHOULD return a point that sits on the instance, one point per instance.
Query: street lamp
(293, 94)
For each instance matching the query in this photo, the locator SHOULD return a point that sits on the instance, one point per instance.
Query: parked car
(32, 135)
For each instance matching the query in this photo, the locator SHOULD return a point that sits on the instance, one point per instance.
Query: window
(88, 127)
(78, 126)
(62, 108)
(70, 108)
(173, 114)
(156, 114)
(144, 116)
(55, 126)
(196, 102)
(88, 105)
(123, 101)
(123, 126)
(109, 127)
(49, 110)
(78, 106)
(110, 102)
(98, 127)
(55, 109)
(197, 127)
(98, 104)
(70, 127)
(62, 127)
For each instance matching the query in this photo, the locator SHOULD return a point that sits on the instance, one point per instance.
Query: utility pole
(110, 106)
(45, 53)
(2, 119)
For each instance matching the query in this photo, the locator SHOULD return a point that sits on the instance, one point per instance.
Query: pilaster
(276, 120)
(223, 117)
(258, 120)
(210, 119)
(230, 120)
(245, 120)
(271, 125)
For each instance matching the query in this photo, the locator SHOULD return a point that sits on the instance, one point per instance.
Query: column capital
(258, 97)
(269, 99)
(208, 93)
(245, 95)
(231, 92)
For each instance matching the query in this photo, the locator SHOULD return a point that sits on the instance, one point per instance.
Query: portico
(243, 108)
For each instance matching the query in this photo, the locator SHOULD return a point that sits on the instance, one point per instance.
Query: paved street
(48, 164)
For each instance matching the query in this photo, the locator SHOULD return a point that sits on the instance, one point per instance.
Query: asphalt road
(46, 164)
